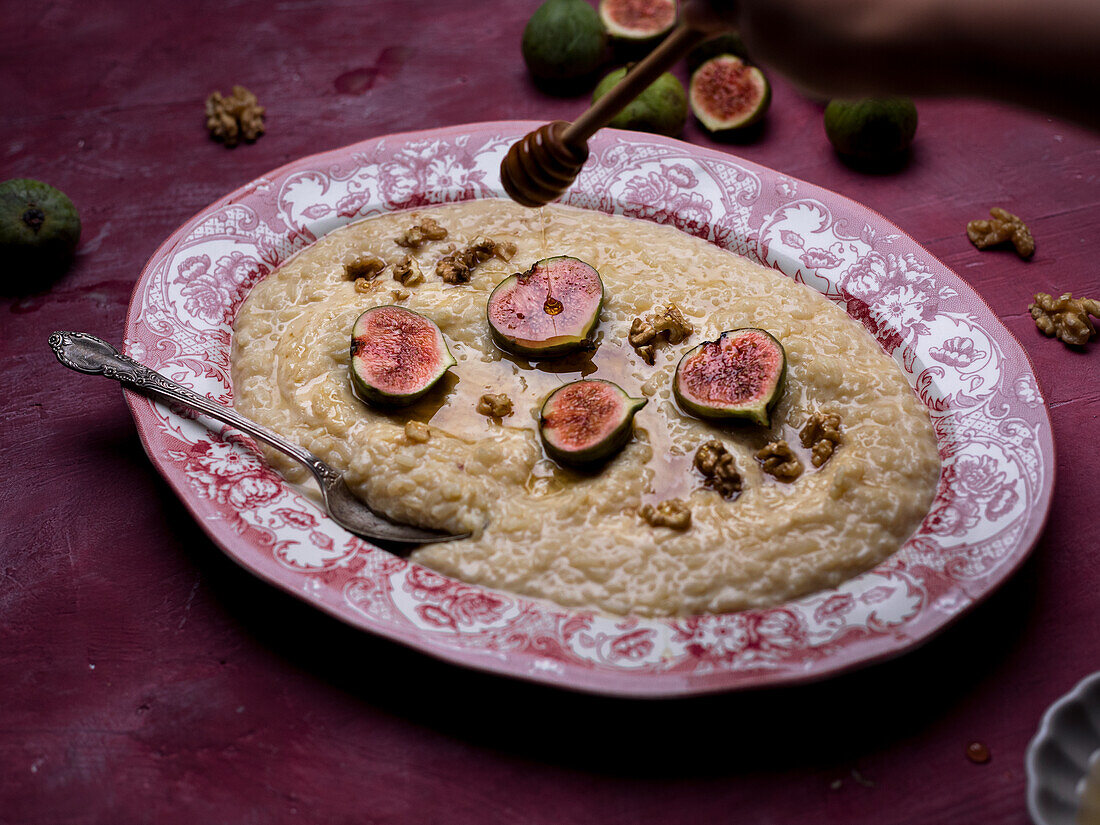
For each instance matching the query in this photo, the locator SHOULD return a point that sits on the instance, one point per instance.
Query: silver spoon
(92, 356)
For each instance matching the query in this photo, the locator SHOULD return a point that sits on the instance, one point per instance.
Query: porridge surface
(577, 538)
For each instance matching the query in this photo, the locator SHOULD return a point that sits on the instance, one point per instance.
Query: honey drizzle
(453, 411)
(542, 227)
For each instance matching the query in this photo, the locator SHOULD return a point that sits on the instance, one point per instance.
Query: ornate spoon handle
(93, 356)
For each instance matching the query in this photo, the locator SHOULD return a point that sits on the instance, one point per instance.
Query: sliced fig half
(741, 375)
(587, 421)
(638, 20)
(549, 310)
(727, 94)
(397, 355)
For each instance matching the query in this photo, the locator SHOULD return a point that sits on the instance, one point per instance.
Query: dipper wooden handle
(542, 165)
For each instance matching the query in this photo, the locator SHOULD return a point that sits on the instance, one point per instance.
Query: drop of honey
(977, 753)
(552, 306)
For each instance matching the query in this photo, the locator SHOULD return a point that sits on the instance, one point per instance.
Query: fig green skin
(662, 108)
(538, 353)
(750, 117)
(378, 397)
(607, 446)
(873, 129)
(726, 43)
(39, 231)
(563, 40)
(535, 352)
(759, 412)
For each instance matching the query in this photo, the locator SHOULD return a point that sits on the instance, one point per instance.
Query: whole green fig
(39, 231)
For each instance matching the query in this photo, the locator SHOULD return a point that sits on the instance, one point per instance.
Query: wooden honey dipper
(541, 166)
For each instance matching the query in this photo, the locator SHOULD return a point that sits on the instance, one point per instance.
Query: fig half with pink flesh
(397, 355)
(727, 94)
(551, 309)
(638, 20)
(587, 421)
(741, 375)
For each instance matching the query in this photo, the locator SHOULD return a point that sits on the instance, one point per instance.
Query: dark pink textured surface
(145, 678)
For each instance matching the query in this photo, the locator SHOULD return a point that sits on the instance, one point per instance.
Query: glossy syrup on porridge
(579, 538)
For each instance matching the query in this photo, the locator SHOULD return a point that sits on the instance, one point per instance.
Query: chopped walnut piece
(1003, 227)
(716, 464)
(482, 249)
(479, 249)
(229, 119)
(1067, 317)
(496, 405)
(366, 267)
(671, 322)
(417, 432)
(456, 267)
(400, 294)
(363, 285)
(667, 325)
(641, 337)
(452, 270)
(779, 460)
(407, 271)
(486, 248)
(821, 434)
(672, 513)
(415, 236)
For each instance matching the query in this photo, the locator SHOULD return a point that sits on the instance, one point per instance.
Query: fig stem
(34, 218)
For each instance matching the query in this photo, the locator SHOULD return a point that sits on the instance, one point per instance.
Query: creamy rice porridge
(577, 538)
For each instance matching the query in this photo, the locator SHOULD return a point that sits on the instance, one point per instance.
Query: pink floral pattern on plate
(993, 429)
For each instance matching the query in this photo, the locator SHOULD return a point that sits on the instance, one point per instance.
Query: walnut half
(415, 236)
(452, 270)
(672, 513)
(1002, 228)
(821, 435)
(236, 117)
(716, 464)
(496, 405)
(666, 325)
(778, 459)
(1067, 317)
(367, 267)
(458, 266)
(407, 271)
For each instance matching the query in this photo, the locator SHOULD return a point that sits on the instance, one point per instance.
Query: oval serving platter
(973, 376)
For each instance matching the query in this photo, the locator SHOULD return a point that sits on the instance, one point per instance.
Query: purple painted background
(145, 678)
